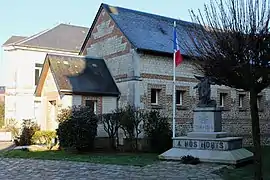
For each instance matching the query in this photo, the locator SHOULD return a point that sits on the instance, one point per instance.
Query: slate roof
(149, 31)
(79, 74)
(14, 39)
(63, 37)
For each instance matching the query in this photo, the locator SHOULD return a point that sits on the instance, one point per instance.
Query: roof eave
(71, 92)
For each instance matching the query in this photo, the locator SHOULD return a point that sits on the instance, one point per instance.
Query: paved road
(26, 169)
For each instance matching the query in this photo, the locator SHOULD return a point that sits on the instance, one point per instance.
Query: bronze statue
(204, 89)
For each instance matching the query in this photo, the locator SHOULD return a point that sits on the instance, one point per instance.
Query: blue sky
(27, 17)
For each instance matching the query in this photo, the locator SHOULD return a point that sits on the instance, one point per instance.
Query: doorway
(52, 115)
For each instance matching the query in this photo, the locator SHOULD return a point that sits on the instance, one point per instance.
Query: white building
(23, 59)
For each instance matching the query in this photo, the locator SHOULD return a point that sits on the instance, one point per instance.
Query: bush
(12, 126)
(111, 125)
(190, 160)
(28, 130)
(2, 115)
(78, 130)
(131, 119)
(158, 130)
(64, 114)
(44, 137)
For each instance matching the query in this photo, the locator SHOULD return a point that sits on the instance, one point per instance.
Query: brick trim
(120, 76)
(94, 98)
(161, 96)
(167, 77)
(102, 17)
(186, 98)
(262, 101)
(227, 100)
(245, 100)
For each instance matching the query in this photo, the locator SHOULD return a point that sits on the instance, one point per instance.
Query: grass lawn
(247, 172)
(139, 159)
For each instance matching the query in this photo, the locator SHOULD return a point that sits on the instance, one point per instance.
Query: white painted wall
(109, 104)
(71, 100)
(20, 81)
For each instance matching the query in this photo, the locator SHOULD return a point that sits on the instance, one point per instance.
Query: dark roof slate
(14, 39)
(63, 37)
(82, 75)
(149, 31)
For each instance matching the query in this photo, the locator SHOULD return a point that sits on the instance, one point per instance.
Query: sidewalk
(4, 146)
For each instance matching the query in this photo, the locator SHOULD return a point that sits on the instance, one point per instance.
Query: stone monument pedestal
(208, 142)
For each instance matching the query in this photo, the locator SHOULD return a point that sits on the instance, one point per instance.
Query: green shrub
(158, 130)
(28, 130)
(64, 114)
(78, 130)
(44, 137)
(111, 125)
(126, 121)
(130, 121)
(190, 160)
(12, 126)
(2, 115)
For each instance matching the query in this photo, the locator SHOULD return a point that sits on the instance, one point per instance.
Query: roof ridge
(73, 55)
(156, 16)
(36, 35)
(73, 25)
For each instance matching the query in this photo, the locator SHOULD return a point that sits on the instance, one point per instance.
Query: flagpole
(173, 105)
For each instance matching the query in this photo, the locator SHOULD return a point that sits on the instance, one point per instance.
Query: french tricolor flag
(177, 55)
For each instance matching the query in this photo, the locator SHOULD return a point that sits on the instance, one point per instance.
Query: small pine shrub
(28, 130)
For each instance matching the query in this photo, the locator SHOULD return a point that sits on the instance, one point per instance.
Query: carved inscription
(201, 144)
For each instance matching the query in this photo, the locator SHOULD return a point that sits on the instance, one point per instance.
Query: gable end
(105, 30)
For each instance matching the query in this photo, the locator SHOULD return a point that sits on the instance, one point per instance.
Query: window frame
(259, 102)
(95, 104)
(38, 67)
(222, 97)
(241, 100)
(156, 96)
(181, 97)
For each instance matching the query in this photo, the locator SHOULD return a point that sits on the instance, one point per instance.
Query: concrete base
(215, 144)
(210, 135)
(234, 157)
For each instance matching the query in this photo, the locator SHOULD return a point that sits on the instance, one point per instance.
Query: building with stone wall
(138, 50)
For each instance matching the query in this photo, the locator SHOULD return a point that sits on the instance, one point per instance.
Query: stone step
(227, 157)
(207, 134)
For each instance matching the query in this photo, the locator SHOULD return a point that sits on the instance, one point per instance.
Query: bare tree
(230, 43)
(111, 125)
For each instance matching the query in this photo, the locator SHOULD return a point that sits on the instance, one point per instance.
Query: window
(92, 104)
(259, 101)
(241, 100)
(179, 97)
(154, 96)
(38, 68)
(222, 97)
